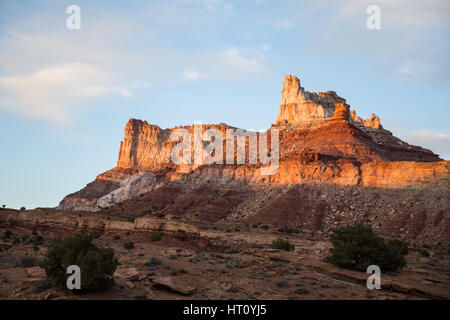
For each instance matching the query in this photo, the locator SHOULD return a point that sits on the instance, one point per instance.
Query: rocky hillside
(320, 141)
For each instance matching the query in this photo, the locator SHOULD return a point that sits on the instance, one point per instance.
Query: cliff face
(320, 141)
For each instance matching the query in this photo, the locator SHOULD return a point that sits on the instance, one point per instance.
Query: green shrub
(7, 234)
(357, 247)
(38, 240)
(425, 253)
(282, 284)
(27, 262)
(128, 245)
(42, 285)
(288, 230)
(116, 237)
(230, 250)
(265, 227)
(97, 264)
(282, 244)
(155, 237)
(154, 261)
(301, 291)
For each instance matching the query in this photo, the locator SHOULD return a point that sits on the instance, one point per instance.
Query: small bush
(357, 247)
(301, 291)
(155, 237)
(154, 261)
(7, 234)
(43, 285)
(265, 227)
(282, 284)
(128, 245)
(282, 244)
(27, 262)
(38, 240)
(97, 264)
(230, 250)
(425, 253)
(174, 272)
(22, 208)
(116, 237)
(288, 230)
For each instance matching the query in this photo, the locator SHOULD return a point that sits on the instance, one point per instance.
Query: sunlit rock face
(320, 141)
(302, 108)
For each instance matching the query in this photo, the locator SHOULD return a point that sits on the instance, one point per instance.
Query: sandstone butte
(321, 141)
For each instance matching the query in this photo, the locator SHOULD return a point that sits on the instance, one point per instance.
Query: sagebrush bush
(27, 262)
(97, 264)
(155, 237)
(357, 247)
(128, 245)
(282, 244)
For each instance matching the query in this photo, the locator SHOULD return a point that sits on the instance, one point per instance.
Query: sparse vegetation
(425, 253)
(155, 237)
(116, 237)
(288, 230)
(357, 247)
(38, 240)
(230, 250)
(22, 208)
(154, 261)
(128, 245)
(301, 291)
(282, 245)
(282, 284)
(7, 235)
(43, 285)
(27, 262)
(97, 264)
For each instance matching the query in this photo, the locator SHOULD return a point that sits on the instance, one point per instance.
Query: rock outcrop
(320, 141)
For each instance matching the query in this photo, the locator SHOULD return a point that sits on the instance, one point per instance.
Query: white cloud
(284, 24)
(52, 93)
(412, 42)
(192, 75)
(233, 59)
(437, 142)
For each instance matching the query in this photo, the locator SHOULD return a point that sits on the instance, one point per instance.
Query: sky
(66, 95)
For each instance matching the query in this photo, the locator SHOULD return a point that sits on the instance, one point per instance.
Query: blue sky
(66, 95)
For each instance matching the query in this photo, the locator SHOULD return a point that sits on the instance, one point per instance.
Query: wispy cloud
(192, 75)
(437, 142)
(233, 59)
(412, 42)
(52, 93)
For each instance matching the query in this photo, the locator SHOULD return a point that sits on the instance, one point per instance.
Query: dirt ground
(243, 266)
